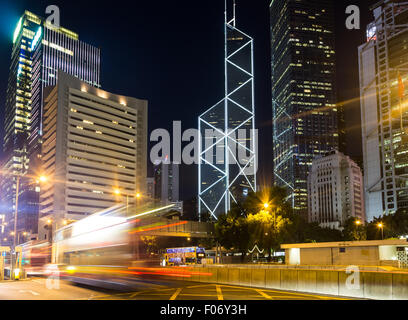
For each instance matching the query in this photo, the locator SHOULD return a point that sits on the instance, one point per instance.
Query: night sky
(171, 53)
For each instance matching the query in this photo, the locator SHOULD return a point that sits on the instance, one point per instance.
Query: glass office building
(306, 120)
(39, 50)
(228, 153)
(383, 61)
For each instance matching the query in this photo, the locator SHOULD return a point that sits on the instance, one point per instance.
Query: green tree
(394, 226)
(267, 213)
(266, 229)
(354, 230)
(314, 233)
(232, 231)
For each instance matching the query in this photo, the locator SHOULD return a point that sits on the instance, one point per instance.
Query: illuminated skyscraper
(306, 121)
(383, 63)
(228, 155)
(39, 50)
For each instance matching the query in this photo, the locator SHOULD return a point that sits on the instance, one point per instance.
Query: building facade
(383, 62)
(167, 182)
(228, 144)
(150, 189)
(95, 143)
(39, 50)
(335, 191)
(306, 120)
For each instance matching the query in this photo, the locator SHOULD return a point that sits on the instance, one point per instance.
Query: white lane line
(30, 291)
(38, 281)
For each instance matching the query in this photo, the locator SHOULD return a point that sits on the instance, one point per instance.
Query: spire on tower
(228, 9)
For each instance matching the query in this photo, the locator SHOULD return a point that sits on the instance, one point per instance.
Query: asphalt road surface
(36, 289)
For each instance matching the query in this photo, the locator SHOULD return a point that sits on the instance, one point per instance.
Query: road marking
(38, 281)
(263, 294)
(219, 293)
(200, 286)
(174, 296)
(305, 295)
(30, 291)
(196, 295)
(136, 294)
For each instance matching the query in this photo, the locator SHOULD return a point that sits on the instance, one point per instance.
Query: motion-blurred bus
(105, 249)
(183, 256)
(35, 255)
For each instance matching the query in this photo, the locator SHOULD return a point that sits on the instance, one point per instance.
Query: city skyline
(207, 92)
(123, 178)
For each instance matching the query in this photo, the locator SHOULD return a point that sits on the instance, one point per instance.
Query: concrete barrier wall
(368, 285)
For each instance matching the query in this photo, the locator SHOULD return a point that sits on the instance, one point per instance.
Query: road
(36, 289)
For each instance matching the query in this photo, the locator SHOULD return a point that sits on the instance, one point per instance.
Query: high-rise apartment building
(94, 151)
(383, 63)
(228, 148)
(306, 120)
(39, 50)
(335, 191)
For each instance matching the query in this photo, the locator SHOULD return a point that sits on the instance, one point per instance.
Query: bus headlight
(71, 269)
(17, 273)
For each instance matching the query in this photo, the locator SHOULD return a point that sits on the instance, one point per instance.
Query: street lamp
(358, 222)
(137, 196)
(16, 210)
(381, 226)
(266, 205)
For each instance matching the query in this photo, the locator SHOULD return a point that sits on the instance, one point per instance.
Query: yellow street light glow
(138, 195)
(380, 225)
(43, 179)
(117, 191)
(266, 205)
(49, 221)
(358, 222)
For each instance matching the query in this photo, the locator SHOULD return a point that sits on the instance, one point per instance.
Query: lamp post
(381, 226)
(137, 196)
(16, 212)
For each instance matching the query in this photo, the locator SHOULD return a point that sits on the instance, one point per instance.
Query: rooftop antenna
(233, 20)
(235, 13)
